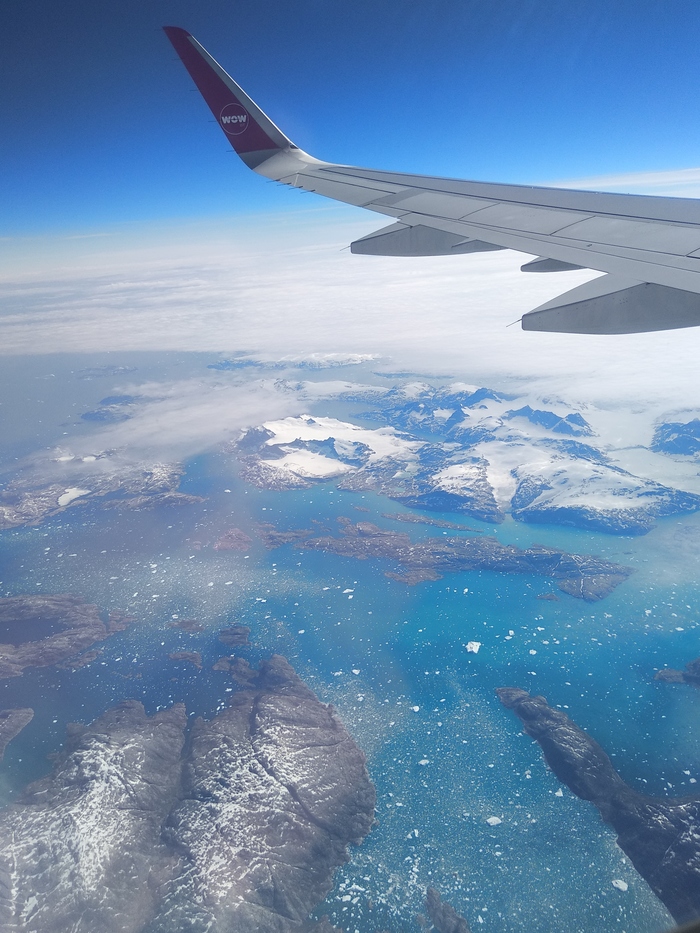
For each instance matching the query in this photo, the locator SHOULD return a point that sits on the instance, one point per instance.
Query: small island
(235, 636)
(191, 657)
(233, 540)
(691, 674)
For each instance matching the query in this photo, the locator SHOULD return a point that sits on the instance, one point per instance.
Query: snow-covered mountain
(465, 449)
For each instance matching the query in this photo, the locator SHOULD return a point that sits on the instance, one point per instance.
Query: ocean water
(445, 756)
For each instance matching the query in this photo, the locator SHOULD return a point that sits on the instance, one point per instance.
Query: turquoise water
(444, 754)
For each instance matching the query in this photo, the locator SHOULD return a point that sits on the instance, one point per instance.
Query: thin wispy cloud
(190, 416)
(679, 183)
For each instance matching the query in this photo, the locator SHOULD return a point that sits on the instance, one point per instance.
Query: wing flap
(614, 305)
(544, 264)
(402, 240)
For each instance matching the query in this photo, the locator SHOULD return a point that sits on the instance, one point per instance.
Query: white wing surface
(649, 247)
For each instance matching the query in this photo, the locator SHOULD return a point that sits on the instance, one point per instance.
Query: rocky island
(191, 657)
(237, 824)
(661, 836)
(233, 540)
(691, 674)
(235, 636)
(43, 631)
(588, 578)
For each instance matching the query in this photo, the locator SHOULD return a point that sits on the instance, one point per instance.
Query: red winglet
(247, 128)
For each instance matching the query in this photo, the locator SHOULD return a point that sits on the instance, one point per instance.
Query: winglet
(251, 133)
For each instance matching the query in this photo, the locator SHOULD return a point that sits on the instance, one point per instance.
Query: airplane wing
(648, 247)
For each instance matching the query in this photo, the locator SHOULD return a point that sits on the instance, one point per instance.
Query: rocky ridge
(82, 849)
(141, 828)
(443, 916)
(12, 721)
(661, 836)
(675, 437)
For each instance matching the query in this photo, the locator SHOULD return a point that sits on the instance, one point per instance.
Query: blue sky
(127, 223)
(101, 125)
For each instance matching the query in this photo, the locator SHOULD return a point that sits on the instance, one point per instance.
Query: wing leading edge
(648, 247)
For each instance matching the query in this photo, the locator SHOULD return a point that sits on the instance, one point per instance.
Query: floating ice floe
(415, 708)
(493, 820)
(424, 761)
(559, 793)
(72, 493)
(619, 884)
(473, 647)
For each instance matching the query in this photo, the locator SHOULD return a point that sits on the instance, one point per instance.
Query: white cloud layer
(285, 287)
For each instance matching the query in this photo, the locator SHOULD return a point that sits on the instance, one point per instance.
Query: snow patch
(71, 494)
